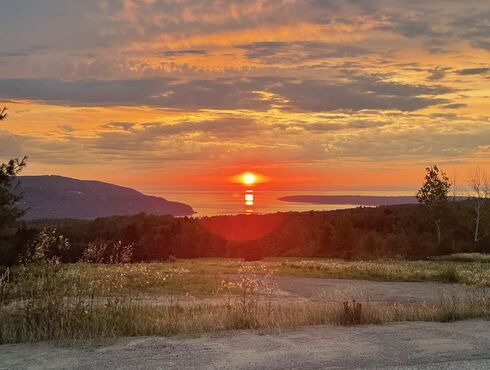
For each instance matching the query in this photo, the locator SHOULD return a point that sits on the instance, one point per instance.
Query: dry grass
(85, 302)
(203, 276)
(51, 322)
(471, 273)
(464, 257)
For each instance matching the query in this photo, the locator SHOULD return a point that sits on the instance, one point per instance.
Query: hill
(63, 197)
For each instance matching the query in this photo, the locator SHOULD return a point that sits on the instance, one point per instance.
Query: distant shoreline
(358, 200)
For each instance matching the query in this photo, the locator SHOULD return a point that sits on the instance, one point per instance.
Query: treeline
(361, 233)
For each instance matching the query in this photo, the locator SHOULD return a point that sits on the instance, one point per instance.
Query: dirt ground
(298, 289)
(338, 290)
(415, 345)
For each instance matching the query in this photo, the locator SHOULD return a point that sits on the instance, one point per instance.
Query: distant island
(359, 200)
(64, 197)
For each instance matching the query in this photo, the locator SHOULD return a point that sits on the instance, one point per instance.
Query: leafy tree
(9, 213)
(434, 196)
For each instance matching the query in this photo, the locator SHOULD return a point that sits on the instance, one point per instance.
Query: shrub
(47, 247)
(172, 258)
(121, 253)
(94, 253)
(352, 313)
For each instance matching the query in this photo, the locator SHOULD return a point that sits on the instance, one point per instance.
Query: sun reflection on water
(249, 201)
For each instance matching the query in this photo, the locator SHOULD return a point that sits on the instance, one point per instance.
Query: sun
(248, 178)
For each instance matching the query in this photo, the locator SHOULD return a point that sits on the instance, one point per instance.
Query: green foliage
(435, 188)
(362, 233)
(94, 253)
(48, 247)
(433, 196)
(9, 213)
(11, 241)
(8, 196)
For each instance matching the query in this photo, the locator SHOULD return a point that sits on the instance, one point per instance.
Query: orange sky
(186, 94)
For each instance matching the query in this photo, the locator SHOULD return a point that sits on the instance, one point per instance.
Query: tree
(480, 185)
(9, 197)
(433, 195)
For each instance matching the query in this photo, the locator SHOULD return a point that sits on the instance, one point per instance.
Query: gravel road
(415, 345)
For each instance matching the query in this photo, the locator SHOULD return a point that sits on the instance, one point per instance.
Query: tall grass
(46, 301)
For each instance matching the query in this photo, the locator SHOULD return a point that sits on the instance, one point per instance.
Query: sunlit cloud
(99, 87)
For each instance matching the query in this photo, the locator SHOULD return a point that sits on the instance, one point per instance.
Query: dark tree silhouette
(9, 197)
(433, 195)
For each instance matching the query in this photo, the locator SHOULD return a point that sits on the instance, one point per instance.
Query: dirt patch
(339, 290)
(416, 345)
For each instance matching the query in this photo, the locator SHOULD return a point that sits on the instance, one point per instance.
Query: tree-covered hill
(63, 197)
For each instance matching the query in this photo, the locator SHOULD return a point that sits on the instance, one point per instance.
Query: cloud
(453, 106)
(474, 27)
(174, 53)
(159, 92)
(409, 28)
(482, 44)
(473, 71)
(276, 52)
(368, 92)
(363, 137)
(224, 129)
(361, 93)
(436, 74)
(24, 52)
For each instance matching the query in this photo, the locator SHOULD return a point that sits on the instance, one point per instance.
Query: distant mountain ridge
(64, 197)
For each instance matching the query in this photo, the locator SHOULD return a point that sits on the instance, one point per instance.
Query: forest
(403, 231)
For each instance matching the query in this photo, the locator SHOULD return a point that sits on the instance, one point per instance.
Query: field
(88, 302)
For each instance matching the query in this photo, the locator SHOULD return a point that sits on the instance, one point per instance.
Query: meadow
(87, 302)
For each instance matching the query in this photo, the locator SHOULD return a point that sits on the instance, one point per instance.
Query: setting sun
(248, 178)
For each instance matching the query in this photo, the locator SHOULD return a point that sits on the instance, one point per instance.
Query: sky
(311, 94)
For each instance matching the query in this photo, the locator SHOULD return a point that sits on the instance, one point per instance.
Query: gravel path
(416, 345)
(337, 290)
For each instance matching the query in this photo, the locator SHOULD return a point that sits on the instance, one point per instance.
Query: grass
(87, 325)
(86, 302)
(471, 273)
(201, 277)
(446, 271)
(464, 257)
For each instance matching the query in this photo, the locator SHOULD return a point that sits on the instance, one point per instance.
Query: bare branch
(3, 114)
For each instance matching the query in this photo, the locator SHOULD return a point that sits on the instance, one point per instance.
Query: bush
(47, 247)
(172, 258)
(352, 313)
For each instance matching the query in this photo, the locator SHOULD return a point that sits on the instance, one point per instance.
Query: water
(212, 203)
